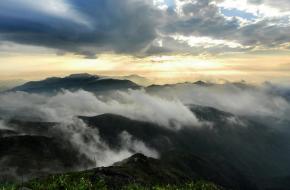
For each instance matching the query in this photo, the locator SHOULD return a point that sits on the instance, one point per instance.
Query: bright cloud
(259, 10)
(206, 42)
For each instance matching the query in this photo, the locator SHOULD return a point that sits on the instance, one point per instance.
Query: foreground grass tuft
(200, 185)
(87, 182)
(8, 187)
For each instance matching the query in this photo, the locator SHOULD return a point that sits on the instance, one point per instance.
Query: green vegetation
(8, 187)
(200, 185)
(70, 182)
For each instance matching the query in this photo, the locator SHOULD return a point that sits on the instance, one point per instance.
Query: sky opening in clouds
(165, 40)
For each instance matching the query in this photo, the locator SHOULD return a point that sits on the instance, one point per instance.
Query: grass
(86, 181)
(8, 187)
(200, 185)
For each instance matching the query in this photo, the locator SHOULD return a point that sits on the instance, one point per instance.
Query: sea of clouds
(165, 106)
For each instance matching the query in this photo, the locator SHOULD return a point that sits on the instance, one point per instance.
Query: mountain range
(75, 82)
(231, 150)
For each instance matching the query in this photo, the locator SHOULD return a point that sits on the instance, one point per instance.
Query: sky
(167, 41)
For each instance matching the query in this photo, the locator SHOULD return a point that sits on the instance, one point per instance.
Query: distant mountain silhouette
(183, 84)
(136, 79)
(200, 83)
(74, 82)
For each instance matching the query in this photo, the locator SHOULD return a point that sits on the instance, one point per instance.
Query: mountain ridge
(84, 81)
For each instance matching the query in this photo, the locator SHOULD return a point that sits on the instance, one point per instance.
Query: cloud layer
(169, 106)
(239, 98)
(89, 143)
(66, 105)
(141, 27)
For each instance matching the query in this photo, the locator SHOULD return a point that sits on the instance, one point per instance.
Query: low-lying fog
(169, 107)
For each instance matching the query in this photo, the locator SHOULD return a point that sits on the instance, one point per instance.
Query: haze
(167, 41)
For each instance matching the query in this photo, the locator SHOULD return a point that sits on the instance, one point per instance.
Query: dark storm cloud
(93, 25)
(129, 26)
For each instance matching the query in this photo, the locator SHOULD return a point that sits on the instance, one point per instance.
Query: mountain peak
(84, 81)
(134, 159)
(81, 75)
(200, 82)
